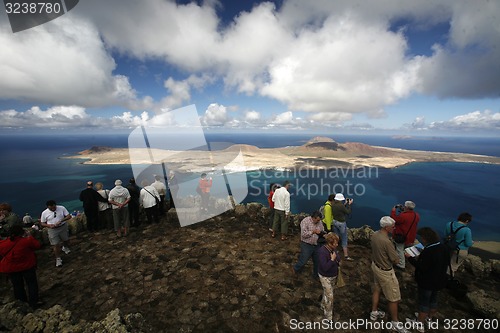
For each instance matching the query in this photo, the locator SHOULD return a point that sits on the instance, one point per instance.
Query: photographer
(406, 229)
(339, 211)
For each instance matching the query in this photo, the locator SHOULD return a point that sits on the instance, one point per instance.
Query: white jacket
(146, 199)
(281, 199)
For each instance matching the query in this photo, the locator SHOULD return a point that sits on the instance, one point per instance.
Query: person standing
(8, 219)
(328, 218)
(272, 188)
(105, 213)
(281, 199)
(430, 274)
(328, 268)
(119, 197)
(173, 188)
(148, 197)
(384, 255)
(54, 218)
(161, 188)
(19, 262)
(406, 225)
(205, 184)
(339, 212)
(133, 205)
(90, 199)
(27, 220)
(463, 237)
(310, 229)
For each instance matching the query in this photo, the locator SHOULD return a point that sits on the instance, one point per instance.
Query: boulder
(476, 266)
(495, 266)
(77, 224)
(484, 304)
(360, 235)
(17, 317)
(240, 210)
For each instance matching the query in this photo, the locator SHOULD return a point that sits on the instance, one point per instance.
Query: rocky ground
(222, 275)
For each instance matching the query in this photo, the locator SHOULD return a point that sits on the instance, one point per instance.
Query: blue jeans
(307, 251)
(340, 228)
(427, 300)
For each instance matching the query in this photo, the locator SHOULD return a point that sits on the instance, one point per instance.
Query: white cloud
(331, 58)
(63, 62)
(326, 117)
(59, 116)
(180, 91)
(252, 117)
(477, 120)
(215, 115)
(418, 123)
(285, 118)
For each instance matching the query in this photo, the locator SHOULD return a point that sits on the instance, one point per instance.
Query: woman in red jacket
(19, 262)
(205, 184)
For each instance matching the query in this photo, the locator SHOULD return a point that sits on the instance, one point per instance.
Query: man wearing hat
(339, 212)
(119, 197)
(406, 225)
(385, 281)
(90, 199)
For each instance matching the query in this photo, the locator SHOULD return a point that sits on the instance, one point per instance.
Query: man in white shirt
(162, 191)
(281, 199)
(54, 218)
(147, 199)
(119, 198)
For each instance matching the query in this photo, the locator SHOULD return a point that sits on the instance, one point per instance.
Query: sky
(427, 67)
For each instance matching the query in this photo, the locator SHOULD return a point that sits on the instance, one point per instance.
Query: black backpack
(451, 240)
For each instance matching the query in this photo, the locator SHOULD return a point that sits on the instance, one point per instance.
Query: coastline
(486, 250)
(318, 153)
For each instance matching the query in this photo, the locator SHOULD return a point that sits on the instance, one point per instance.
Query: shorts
(58, 235)
(387, 282)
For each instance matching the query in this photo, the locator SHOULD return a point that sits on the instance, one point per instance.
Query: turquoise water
(441, 192)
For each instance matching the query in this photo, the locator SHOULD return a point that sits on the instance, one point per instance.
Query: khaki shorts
(387, 282)
(58, 235)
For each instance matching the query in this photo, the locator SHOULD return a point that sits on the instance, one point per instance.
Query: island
(317, 153)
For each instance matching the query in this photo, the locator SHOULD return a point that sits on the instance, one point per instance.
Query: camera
(399, 207)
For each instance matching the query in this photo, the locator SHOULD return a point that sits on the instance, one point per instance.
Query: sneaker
(348, 258)
(399, 327)
(58, 262)
(374, 315)
(66, 250)
(428, 320)
(417, 325)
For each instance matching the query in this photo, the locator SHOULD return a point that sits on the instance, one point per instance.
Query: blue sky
(388, 66)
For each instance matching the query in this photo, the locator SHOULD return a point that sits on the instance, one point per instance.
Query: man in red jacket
(19, 262)
(406, 225)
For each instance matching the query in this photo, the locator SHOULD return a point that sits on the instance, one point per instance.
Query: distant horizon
(382, 133)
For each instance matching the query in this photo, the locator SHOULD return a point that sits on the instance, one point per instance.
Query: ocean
(33, 172)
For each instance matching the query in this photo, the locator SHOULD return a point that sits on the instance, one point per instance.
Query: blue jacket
(464, 235)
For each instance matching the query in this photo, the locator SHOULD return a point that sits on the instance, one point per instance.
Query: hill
(222, 275)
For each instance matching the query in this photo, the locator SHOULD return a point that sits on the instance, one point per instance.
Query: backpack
(322, 211)
(451, 240)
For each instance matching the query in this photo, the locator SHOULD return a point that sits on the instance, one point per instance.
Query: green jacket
(328, 219)
(340, 211)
